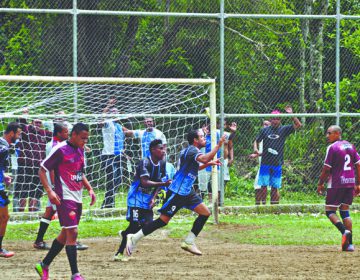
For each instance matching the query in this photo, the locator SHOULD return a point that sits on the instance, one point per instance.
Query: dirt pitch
(160, 257)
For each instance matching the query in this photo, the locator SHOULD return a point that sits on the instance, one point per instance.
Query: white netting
(175, 108)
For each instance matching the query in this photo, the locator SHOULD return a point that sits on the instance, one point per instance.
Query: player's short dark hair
(58, 127)
(78, 127)
(154, 143)
(13, 126)
(194, 133)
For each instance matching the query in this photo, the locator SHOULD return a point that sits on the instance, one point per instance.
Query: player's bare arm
(145, 182)
(216, 162)
(90, 190)
(205, 158)
(53, 197)
(323, 178)
(357, 186)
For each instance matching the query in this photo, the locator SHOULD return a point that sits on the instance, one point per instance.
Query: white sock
(190, 239)
(137, 236)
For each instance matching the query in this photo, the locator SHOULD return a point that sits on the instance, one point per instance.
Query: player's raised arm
(205, 158)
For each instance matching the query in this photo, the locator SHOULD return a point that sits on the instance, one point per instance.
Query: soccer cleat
(41, 245)
(42, 270)
(77, 276)
(80, 246)
(191, 247)
(350, 248)
(130, 245)
(121, 258)
(6, 254)
(345, 240)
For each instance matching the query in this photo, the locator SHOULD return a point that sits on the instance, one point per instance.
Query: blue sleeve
(261, 135)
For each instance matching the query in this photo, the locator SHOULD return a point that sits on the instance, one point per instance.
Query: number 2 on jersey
(347, 162)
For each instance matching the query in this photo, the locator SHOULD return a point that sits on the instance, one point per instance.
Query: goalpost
(176, 105)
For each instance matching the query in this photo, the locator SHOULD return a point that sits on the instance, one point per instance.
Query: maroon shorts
(338, 196)
(69, 213)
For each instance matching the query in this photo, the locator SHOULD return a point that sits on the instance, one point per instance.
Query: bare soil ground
(160, 257)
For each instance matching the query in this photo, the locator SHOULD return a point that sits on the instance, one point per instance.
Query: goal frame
(152, 81)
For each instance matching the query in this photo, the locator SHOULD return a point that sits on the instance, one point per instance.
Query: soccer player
(61, 133)
(339, 172)
(149, 177)
(11, 134)
(181, 193)
(67, 161)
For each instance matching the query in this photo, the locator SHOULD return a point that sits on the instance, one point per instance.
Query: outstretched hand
(216, 162)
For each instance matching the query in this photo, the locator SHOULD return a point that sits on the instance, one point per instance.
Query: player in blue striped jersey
(181, 193)
(12, 133)
(149, 177)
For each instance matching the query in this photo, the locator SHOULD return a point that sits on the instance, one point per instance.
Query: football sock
(340, 226)
(1, 239)
(44, 224)
(151, 227)
(199, 224)
(350, 239)
(55, 249)
(71, 253)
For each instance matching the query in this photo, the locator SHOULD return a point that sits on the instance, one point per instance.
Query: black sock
(1, 239)
(132, 228)
(72, 257)
(55, 249)
(151, 227)
(340, 226)
(350, 239)
(44, 224)
(199, 224)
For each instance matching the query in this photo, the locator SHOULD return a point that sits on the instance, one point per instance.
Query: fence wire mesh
(268, 63)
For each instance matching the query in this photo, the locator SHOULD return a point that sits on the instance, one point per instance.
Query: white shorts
(204, 178)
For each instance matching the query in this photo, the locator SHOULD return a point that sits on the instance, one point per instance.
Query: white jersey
(146, 137)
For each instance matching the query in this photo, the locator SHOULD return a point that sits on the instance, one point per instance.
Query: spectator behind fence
(260, 193)
(112, 154)
(31, 149)
(273, 138)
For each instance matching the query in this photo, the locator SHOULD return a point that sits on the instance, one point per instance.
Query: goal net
(169, 107)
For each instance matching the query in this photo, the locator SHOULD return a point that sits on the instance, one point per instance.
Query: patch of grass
(258, 229)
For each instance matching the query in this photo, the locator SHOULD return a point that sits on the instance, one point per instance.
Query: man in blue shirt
(150, 176)
(12, 133)
(273, 138)
(112, 154)
(181, 193)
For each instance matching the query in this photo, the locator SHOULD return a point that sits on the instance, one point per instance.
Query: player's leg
(21, 189)
(195, 204)
(345, 216)
(44, 224)
(263, 181)
(110, 184)
(42, 268)
(172, 204)
(275, 183)
(4, 218)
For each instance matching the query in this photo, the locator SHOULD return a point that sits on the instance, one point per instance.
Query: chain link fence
(275, 53)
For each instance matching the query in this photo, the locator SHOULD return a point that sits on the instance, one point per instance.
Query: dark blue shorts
(338, 196)
(139, 215)
(174, 202)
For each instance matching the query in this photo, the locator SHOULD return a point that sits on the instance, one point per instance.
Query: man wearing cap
(273, 138)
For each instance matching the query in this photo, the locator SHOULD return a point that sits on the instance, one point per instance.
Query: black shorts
(139, 215)
(28, 183)
(174, 202)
